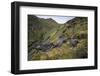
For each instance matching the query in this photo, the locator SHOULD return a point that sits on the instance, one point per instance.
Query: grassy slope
(49, 29)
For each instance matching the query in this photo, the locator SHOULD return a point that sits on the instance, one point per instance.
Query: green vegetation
(48, 40)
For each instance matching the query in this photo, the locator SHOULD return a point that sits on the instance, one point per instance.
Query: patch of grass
(48, 29)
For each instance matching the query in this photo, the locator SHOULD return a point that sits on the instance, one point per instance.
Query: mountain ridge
(55, 38)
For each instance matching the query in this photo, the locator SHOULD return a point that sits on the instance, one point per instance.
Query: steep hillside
(38, 27)
(49, 40)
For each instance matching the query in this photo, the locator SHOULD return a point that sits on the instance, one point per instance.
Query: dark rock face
(61, 40)
(74, 42)
(46, 46)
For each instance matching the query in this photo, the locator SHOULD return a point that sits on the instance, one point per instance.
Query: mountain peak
(76, 20)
